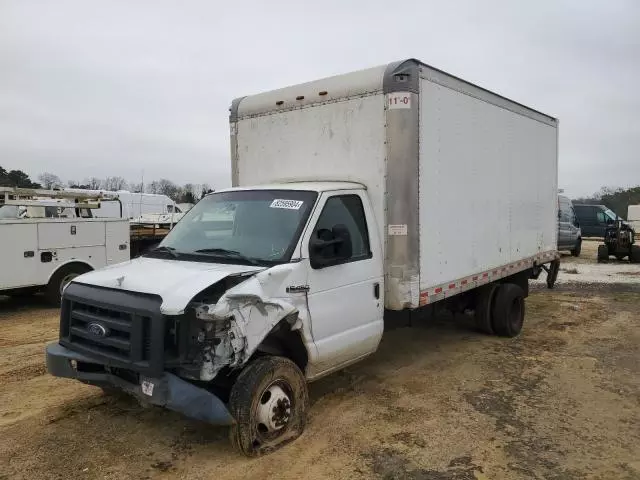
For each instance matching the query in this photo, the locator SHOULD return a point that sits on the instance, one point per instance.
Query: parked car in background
(134, 205)
(594, 219)
(569, 232)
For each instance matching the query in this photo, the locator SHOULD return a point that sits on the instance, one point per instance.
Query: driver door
(345, 297)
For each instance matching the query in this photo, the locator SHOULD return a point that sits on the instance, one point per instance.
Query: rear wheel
(484, 301)
(603, 254)
(577, 249)
(60, 279)
(634, 256)
(269, 401)
(508, 310)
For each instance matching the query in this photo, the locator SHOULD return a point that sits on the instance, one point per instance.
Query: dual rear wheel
(500, 309)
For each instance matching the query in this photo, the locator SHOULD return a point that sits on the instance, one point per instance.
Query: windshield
(610, 214)
(245, 226)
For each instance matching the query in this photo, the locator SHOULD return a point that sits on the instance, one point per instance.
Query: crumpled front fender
(251, 309)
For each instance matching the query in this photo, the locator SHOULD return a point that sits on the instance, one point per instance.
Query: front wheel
(577, 249)
(603, 254)
(269, 401)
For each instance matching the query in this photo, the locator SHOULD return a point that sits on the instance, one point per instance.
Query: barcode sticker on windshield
(288, 204)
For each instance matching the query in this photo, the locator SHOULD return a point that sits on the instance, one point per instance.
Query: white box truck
(360, 201)
(45, 242)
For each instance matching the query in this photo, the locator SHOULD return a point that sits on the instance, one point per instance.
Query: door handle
(376, 291)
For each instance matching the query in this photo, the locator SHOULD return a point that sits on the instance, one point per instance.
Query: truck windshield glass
(244, 226)
(610, 214)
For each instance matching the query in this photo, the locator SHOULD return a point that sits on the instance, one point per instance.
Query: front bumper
(168, 390)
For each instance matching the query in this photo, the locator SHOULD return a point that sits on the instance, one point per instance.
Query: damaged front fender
(240, 320)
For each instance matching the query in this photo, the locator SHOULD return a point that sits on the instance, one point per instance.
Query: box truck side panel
(18, 255)
(487, 185)
(342, 140)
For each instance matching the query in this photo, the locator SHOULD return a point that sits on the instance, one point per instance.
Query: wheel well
(71, 265)
(287, 343)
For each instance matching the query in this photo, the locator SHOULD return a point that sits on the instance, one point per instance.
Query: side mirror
(609, 221)
(330, 247)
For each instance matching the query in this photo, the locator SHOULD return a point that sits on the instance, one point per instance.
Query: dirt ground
(438, 402)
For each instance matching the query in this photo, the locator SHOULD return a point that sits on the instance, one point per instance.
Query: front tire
(508, 310)
(603, 254)
(577, 249)
(269, 401)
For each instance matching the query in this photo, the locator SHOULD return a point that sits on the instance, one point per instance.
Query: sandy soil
(438, 402)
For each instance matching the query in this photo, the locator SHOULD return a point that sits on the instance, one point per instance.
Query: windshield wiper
(172, 251)
(223, 252)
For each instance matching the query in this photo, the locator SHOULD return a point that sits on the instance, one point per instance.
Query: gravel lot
(438, 402)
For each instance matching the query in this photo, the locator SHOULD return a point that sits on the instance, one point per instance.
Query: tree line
(187, 193)
(617, 199)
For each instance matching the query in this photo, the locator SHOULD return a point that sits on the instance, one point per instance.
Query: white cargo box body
(463, 182)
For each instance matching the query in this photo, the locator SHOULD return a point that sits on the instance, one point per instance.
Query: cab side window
(600, 216)
(342, 230)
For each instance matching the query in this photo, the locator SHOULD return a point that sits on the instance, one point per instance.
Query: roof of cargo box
(302, 185)
(398, 76)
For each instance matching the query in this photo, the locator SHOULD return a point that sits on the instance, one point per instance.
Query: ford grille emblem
(97, 330)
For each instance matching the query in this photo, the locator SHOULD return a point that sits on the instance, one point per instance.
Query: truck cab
(293, 269)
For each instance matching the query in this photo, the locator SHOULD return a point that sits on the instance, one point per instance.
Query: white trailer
(358, 201)
(133, 205)
(47, 244)
(633, 217)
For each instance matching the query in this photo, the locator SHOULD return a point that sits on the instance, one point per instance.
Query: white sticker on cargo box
(147, 387)
(397, 230)
(287, 204)
(398, 100)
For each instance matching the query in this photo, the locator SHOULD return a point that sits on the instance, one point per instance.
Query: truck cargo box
(463, 181)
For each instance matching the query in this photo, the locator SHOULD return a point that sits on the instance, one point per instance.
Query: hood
(176, 282)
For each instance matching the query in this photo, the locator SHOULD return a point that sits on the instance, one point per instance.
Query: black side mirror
(330, 247)
(609, 221)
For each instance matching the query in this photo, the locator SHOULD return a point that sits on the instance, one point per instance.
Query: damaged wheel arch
(284, 341)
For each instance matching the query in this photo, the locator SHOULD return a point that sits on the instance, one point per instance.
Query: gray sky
(91, 88)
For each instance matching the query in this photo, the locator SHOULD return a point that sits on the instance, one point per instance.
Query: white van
(134, 205)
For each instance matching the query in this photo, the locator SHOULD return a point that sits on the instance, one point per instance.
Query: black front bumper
(167, 390)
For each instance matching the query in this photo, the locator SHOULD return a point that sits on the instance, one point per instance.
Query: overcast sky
(99, 88)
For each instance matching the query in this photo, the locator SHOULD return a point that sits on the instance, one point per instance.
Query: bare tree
(49, 180)
(153, 187)
(168, 188)
(93, 183)
(114, 184)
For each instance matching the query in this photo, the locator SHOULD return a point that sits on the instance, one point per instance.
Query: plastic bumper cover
(168, 391)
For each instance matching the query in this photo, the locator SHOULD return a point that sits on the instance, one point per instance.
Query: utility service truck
(359, 202)
(46, 242)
